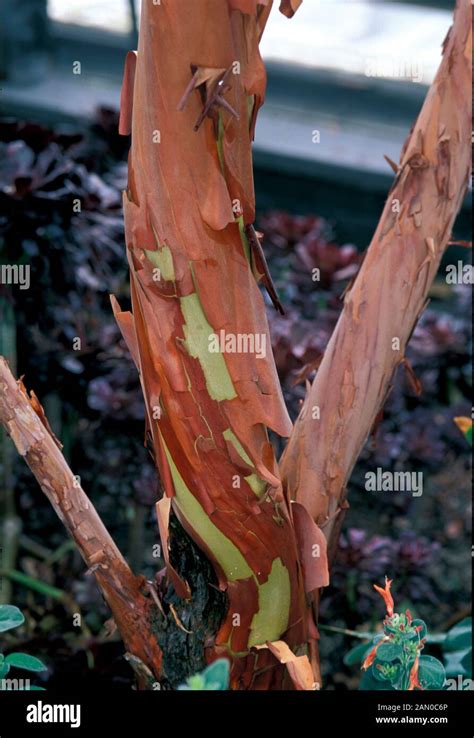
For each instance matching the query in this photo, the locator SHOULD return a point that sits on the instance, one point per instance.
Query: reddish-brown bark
(194, 265)
(188, 209)
(390, 291)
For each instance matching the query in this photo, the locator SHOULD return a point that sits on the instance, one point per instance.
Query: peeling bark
(24, 421)
(190, 98)
(390, 291)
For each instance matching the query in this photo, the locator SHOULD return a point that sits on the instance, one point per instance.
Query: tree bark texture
(190, 98)
(24, 421)
(390, 291)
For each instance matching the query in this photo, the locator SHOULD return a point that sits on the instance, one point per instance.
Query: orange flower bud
(387, 597)
(370, 658)
(414, 681)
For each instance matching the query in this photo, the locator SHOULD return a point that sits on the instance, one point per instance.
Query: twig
(363, 635)
(35, 548)
(36, 585)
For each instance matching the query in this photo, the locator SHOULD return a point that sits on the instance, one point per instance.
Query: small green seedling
(215, 676)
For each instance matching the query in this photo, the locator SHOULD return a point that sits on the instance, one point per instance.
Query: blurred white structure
(352, 36)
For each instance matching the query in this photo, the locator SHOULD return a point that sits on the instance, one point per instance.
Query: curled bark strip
(389, 293)
(163, 508)
(289, 7)
(24, 420)
(312, 547)
(38, 408)
(126, 98)
(299, 667)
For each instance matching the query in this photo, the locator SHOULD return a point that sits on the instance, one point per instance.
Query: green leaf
(417, 623)
(453, 664)
(389, 652)
(357, 654)
(214, 677)
(194, 683)
(217, 675)
(369, 683)
(4, 669)
(468, 435)
(466, 662)
(10, 617)
(24, 661)
(387, 672)
(377, 672)
(396, 671)
(389, 629)
(459, 637)
(431, 673)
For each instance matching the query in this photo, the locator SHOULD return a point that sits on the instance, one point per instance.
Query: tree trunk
(199, 334)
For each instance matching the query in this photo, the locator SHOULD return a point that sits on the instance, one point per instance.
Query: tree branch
(24, 421)
(390, 292)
